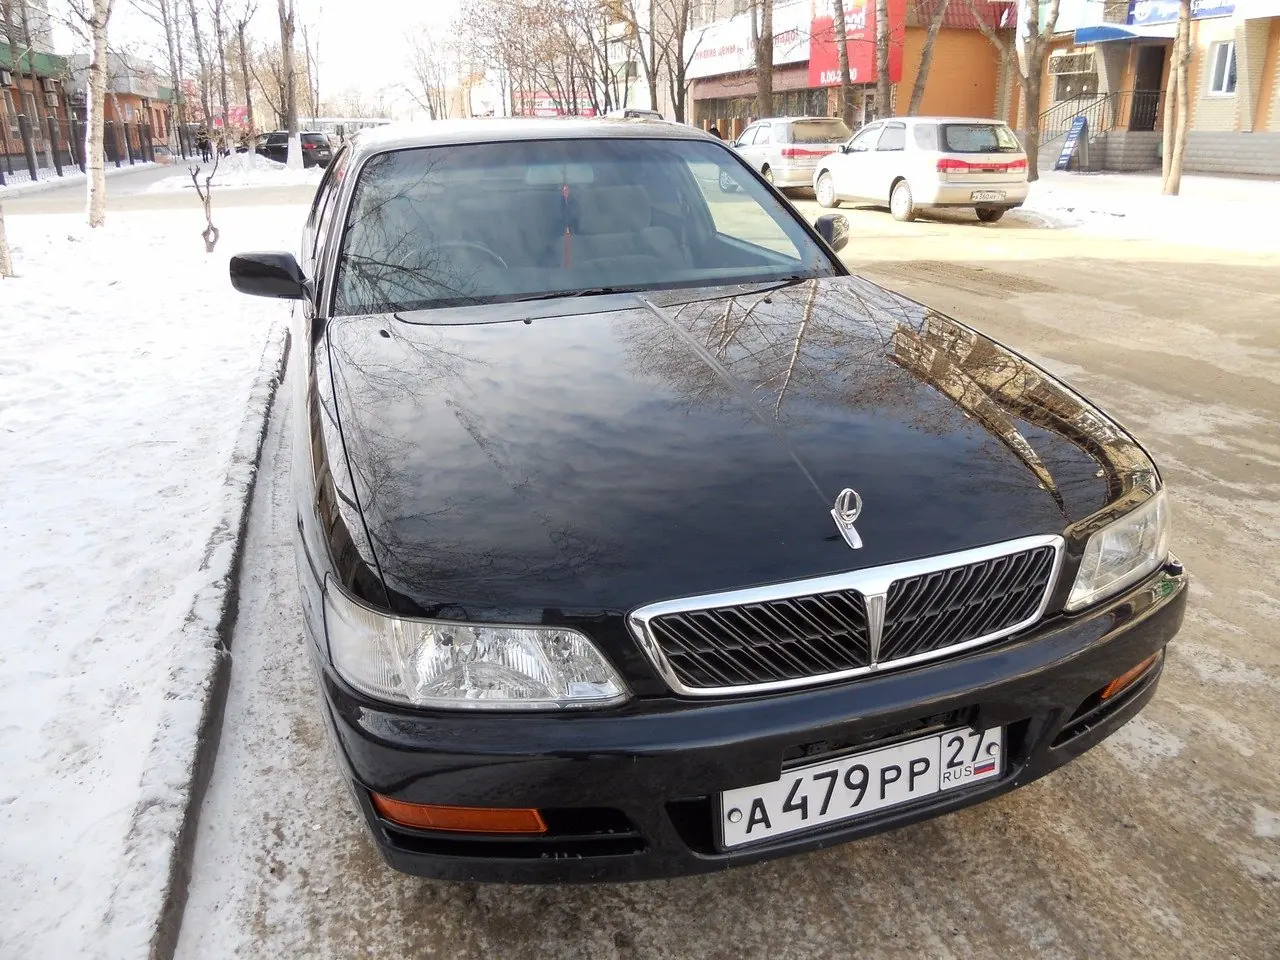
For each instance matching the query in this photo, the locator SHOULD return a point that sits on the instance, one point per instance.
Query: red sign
(860, 40)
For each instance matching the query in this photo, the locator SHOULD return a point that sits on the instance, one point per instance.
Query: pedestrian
(715, 132)
(205, 145)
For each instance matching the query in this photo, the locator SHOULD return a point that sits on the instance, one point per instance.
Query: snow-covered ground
(1222, 212)
(240, 170)
(126, 365)
(19, 183)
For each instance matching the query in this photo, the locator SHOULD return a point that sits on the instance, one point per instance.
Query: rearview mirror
(268, 275)
(833, 228)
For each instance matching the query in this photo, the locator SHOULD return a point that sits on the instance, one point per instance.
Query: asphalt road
(1164, 842)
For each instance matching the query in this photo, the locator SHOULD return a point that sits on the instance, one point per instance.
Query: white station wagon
(922, 163)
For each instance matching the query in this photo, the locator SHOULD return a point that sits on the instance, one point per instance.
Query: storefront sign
(860, 39)
(1074, 136)
(1144, 12)
(725, 46)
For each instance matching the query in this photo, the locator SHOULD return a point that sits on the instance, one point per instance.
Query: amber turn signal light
(425, 816)
(1128, 677)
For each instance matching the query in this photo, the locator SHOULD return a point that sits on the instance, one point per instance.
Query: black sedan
(317, 151)
(638, 538)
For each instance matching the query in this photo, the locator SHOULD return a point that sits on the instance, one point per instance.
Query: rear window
(819, 131)
(315, 138)
(978, 138)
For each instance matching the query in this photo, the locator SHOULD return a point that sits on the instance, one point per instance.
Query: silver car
(786, 150)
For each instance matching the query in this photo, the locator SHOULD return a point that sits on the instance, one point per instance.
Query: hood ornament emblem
(847, 509)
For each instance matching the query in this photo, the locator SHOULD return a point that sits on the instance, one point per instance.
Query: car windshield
(978, 138)
(819, 131)
(493, 222)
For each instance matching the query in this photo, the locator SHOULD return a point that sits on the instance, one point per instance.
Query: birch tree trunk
(842, 57)
(883, 91)
(290, 91)
(1170, 121)
(764, 59)
(175, 73)
(1182, 54)
(202, 62)
(244, 76)
(96, 181)
(6, 259)
(219, 35)
(926, 57)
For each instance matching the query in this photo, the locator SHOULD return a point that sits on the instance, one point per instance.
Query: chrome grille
(830, 628)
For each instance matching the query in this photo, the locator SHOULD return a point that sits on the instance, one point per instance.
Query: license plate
(859, 783)
(987, 195)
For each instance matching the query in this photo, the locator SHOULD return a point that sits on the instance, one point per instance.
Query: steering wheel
(473, 246)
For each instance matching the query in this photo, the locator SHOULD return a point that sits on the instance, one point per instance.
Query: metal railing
(1136, 110)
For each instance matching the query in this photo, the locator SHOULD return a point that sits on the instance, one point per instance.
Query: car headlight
(1122, 553)
(441, 664)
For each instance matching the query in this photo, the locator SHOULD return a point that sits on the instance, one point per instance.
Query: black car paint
(564, 461)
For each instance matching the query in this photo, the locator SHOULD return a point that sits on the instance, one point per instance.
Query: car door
(888, 160)
(744, 141)
(764, 148)
(851, 168)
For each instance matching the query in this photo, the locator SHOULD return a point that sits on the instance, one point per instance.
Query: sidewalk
(19, 182)
(1231, 213)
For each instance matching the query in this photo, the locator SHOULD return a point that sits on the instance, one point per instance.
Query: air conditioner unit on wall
(50, 85)
(6, 78)
(50, 99)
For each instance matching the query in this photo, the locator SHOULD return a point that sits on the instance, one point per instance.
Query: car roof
(435, 133)
(913, 120)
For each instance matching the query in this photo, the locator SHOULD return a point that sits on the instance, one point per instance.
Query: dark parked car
(637, 537)
(316, 148)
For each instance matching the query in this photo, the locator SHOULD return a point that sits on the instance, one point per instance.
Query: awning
(1103, 32)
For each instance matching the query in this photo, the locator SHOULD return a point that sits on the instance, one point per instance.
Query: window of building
(1222, 80)
(11, 115)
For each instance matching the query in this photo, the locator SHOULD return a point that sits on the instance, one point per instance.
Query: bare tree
(642, 40)
(313, 72)
(162, 13)
(210, 232)
(926, 54)
(289, 81)
(6, 258)
(762, 44)
(884, 91)
(1175, 134)
(202, 61)
(842, 57)
(241, 27)
(92, 18)
(675, 22)
(220, 49)
(1032, 46)
(429, 67)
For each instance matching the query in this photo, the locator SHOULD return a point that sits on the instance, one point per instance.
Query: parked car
(317, 151)
(926, 163)
(636, 537)
(634, 113)
(786, 149)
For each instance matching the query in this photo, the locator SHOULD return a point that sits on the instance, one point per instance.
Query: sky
(364, 44)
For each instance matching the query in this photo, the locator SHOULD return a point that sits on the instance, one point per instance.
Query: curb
(145, 910)
(26, 187)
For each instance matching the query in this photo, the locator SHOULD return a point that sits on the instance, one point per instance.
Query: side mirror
(833, 228)
(268, 275)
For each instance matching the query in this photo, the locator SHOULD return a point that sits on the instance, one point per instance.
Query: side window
(764, 134)
(748, 135)
(329, 187)
(863, 141)
(926, 136)
(893, 138)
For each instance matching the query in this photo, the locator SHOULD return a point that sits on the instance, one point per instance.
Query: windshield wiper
(569, 294)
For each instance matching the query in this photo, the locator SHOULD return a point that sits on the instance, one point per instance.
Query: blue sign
(1147, 12)
(1078, 127)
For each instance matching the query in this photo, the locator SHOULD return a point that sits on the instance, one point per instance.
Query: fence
(1135, 110)
(41, 149)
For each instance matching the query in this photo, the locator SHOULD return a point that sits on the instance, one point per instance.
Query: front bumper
(630, 793)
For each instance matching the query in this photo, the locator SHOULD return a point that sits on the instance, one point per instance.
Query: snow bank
(240, 170)
(122, 401)
(1221, 212)
(19, 182)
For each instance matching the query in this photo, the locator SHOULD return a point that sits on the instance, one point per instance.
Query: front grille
(946, 607)
(849, 624)
(783, 639)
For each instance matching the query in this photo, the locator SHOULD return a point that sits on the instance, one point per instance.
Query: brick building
(1111, 65)
(32, 84)
(135, 97)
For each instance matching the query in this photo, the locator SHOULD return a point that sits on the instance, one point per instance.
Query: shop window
(1222, 80)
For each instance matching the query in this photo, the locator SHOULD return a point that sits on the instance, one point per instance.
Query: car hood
(599, 453)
